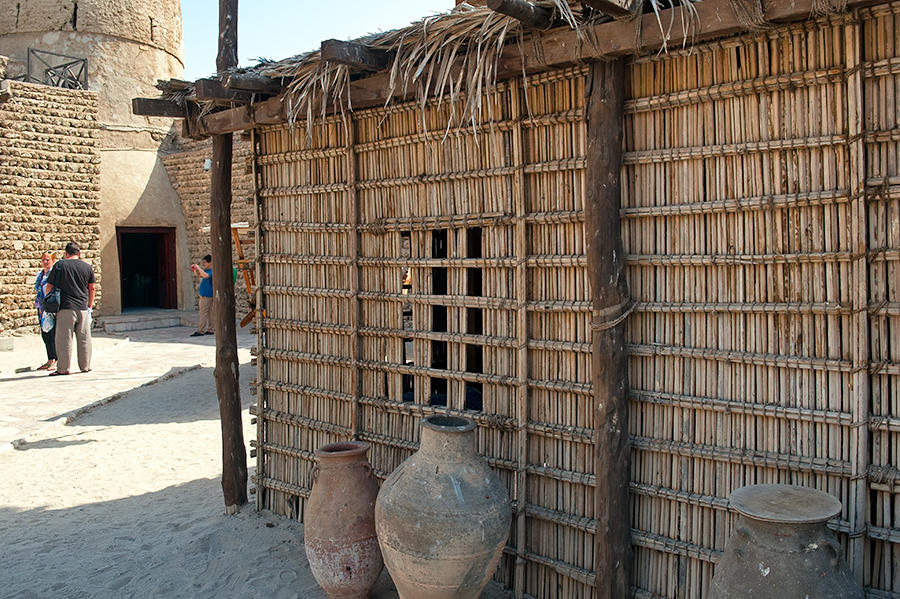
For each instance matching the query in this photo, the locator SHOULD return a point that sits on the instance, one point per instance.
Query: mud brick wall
(191, 180)
(49, 189)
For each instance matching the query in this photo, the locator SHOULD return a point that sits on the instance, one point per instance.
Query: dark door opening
(147, 266)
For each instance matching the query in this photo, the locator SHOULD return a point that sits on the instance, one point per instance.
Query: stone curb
(67, 418)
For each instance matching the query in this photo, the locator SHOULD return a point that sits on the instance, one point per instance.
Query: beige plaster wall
(157, 206)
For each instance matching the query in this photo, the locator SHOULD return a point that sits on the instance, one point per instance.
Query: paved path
(33, 402)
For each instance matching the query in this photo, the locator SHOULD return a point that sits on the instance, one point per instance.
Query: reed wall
(762, 230)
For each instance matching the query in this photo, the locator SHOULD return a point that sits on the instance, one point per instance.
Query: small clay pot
(339, 530)
(443, 516)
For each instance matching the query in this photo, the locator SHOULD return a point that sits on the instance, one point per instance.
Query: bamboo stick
(860, 326)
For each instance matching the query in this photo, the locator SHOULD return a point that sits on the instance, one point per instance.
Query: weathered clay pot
(781, 548)
(443, 516)
(340, 522)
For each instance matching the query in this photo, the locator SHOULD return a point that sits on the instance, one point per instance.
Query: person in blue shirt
(204, 271)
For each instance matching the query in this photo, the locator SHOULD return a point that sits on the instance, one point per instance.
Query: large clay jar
(339, 525)
(443, 516)
(781, 548)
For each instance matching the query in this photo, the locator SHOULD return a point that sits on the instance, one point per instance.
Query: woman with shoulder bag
(46, 319)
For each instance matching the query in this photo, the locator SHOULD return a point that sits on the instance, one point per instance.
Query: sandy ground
(126, 502)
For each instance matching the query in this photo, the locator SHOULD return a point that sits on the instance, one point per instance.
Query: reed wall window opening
(407, 381)
(439, 319)
(439, 286)
(474, 321)
(474, 364)
(473, 250)
(473, 391)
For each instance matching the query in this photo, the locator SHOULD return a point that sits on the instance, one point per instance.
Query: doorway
(147, 267)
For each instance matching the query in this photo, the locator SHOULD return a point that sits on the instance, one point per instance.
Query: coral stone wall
(191, 180)
(49, 188)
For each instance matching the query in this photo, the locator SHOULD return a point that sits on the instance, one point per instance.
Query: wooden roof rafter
(253, 82)
(357, 56)
(531, 15)
(619, 9)
(212, 90)
(158, 107)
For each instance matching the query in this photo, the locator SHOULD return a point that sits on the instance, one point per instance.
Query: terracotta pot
(781, 548)
(443, 516)
(339, 531)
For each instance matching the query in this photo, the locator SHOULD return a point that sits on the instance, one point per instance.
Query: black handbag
(51, 302)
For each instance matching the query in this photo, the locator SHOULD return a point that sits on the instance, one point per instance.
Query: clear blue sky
(276, 29)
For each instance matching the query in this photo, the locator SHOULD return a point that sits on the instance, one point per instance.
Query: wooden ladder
(243, 235)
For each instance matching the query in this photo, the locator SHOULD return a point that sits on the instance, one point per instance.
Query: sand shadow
(154, 545)
(180, 334)
(37, 375)
(188, 397)
(57, 443)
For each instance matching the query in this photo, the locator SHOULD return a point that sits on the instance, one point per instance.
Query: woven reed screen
(880, 80)
(738, 218)
(405, 273)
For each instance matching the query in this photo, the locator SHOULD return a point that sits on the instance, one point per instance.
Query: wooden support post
(234, 455)
(609, 294)
(157, 107)
(355, 55)
(530, 15)
(615, 8)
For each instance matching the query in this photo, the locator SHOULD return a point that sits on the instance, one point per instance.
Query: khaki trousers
(67, 322)
(206, 322)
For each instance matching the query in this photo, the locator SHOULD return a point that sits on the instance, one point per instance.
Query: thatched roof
(452, 55)
(442, 54)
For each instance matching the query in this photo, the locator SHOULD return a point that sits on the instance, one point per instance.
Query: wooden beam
(157, 107)
(226, 121)
(234, 455)
(615, 8)
(355, 55)
(212, 89)
(252, 82)
(612, 39)
(611, 303)
(535, 17)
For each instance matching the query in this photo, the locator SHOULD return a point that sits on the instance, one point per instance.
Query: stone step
(140, 325)
(139, 321)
